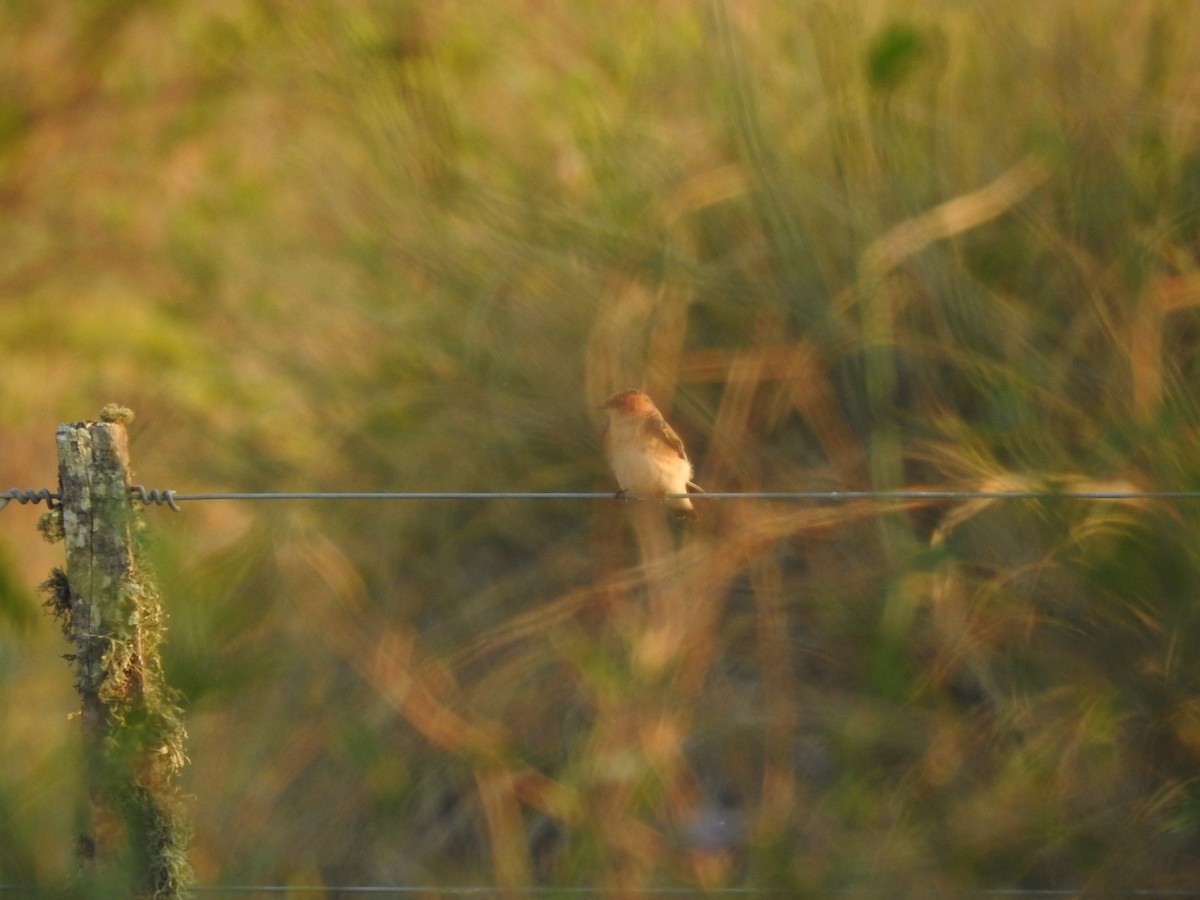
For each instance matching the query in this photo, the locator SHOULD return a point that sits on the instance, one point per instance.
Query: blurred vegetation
(386, 245)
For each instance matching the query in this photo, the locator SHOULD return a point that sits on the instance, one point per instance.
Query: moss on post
(132, 726)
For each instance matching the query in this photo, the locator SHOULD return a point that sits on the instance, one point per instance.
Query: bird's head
(628, 402)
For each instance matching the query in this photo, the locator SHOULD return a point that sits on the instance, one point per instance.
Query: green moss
(50, 525)
(116, 413)
(58, 599)
(142, 750)
(147, 737)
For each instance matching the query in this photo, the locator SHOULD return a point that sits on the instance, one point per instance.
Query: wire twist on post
(28, 495)
(158, 498)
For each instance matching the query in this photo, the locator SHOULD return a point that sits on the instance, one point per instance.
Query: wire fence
(585, 891)
(668, 891)
(172, 499)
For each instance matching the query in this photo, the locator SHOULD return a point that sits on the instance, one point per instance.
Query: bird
(645, 454)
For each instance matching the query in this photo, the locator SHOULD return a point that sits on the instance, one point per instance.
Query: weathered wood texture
(132, 829)
(94, 474)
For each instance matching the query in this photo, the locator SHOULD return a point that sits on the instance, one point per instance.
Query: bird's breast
(645, 465)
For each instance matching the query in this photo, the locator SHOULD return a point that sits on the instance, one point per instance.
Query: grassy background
(387, 245)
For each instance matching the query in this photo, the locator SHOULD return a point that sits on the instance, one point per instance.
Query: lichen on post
(132, 725)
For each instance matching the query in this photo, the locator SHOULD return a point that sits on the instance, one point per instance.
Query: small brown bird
(645, 453)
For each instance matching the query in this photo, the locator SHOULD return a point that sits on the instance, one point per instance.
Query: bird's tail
(683, 506)
(684, 510)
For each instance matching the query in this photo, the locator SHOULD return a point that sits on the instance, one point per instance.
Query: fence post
(133, 835)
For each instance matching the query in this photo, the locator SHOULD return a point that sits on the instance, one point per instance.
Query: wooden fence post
(133, 834)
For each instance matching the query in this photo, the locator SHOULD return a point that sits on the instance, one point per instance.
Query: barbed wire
(172, 499)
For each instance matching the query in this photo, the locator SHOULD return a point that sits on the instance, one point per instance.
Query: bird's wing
(658, 427)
